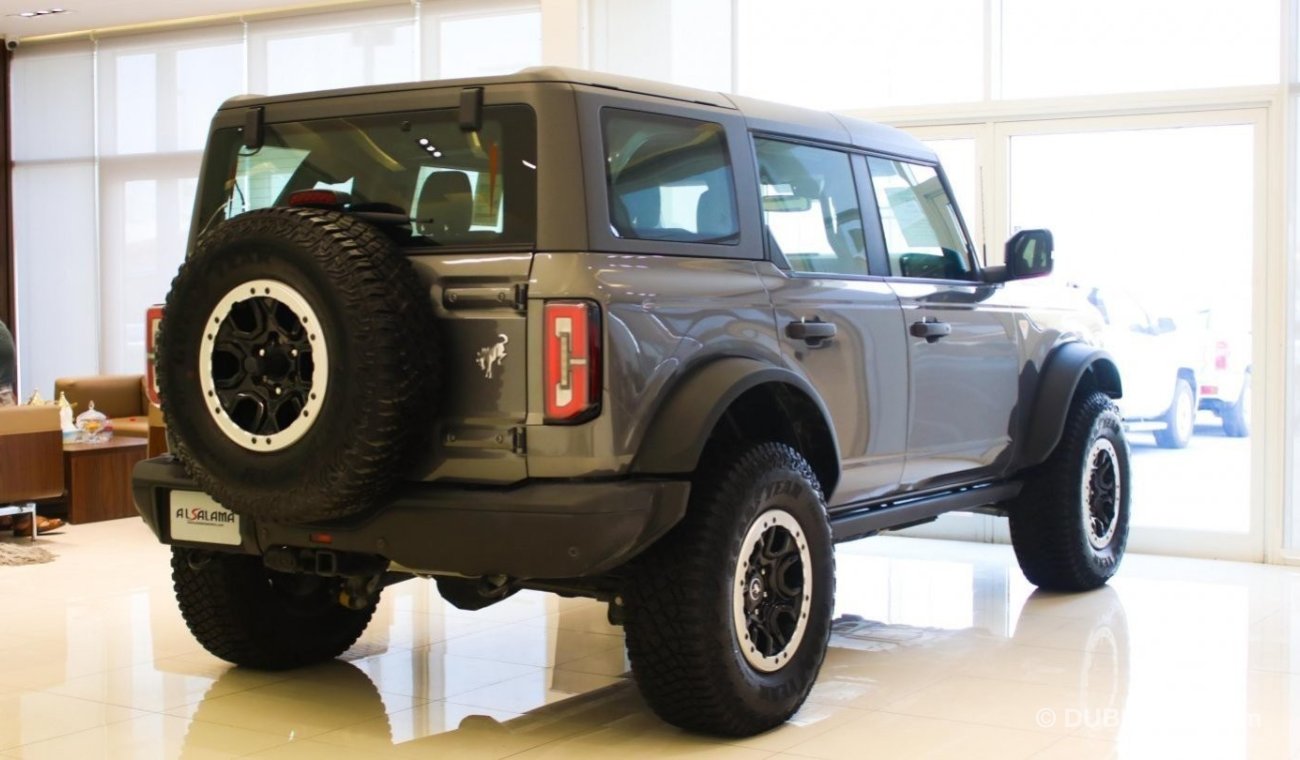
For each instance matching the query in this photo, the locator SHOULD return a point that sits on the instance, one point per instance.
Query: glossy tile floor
(941, 650)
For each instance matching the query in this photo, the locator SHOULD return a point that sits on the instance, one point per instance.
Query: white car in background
(1159, 361)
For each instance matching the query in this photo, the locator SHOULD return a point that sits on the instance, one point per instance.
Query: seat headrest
(714, 215)
(446, 205)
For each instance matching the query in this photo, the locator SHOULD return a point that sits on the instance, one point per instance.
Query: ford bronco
(609, 338)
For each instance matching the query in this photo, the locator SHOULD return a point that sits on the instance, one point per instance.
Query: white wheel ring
(296, 303)
(769, 520)
(1101, 448)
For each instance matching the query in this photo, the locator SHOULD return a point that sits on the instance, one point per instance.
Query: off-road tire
(248, 615)
(682, 638)
(378, 325)
(1049, 530)
(1236, 416)
(1177, 433)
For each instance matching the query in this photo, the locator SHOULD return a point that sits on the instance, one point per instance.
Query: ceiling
(100, 15)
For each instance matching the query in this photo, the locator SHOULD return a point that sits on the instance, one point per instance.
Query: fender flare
(1062, 373)
(693, 406)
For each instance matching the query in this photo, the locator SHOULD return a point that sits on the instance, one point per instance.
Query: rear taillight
(1221, 353)
(152, 321)
(571, 361)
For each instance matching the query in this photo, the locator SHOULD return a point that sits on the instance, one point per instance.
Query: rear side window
(669, 178)
(922, 234)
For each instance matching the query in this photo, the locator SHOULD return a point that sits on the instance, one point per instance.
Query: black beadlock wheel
(1069, 526)
(728, 616)
(297, 365)
(247, 614)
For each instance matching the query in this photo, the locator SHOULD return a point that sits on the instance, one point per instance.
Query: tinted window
(922, 234)
(810, 207)
(669, 178)
(455, 187)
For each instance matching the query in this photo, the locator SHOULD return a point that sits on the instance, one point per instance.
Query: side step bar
(870, 520)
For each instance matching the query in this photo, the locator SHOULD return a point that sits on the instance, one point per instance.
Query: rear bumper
(542, 529)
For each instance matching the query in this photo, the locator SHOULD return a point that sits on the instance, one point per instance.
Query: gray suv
(606, 338)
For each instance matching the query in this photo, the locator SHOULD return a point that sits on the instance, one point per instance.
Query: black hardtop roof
(762, 115)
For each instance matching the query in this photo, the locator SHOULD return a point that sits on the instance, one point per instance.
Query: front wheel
(247, 614)
(728, 616)
(1069, 526)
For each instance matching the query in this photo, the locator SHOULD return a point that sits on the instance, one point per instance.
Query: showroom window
(106, 163)
(1083, 47)
(487, 44)
(686, 42)
(374, 46)
(861, 53)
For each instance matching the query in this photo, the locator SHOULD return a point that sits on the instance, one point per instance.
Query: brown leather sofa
(121, 398)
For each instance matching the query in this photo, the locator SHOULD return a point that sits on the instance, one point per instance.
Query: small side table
(22, 509)
(98, 478)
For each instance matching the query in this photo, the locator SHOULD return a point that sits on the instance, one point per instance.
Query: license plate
(196, 517)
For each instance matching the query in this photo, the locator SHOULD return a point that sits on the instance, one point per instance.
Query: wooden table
(98, 478)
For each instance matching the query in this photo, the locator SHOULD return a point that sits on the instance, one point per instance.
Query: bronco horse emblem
(494, 354)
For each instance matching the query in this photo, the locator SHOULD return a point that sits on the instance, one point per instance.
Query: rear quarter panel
(664, 316)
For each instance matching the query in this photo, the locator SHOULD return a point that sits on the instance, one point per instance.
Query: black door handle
(813, 333)
(931, 330)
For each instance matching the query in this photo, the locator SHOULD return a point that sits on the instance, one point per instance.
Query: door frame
(1268, 444)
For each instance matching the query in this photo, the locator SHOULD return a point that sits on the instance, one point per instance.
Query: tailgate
(482, 402)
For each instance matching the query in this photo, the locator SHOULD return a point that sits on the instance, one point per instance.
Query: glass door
(1160, 220)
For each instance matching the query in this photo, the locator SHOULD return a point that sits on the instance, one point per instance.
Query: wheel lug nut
(261, 352)
(277, 391)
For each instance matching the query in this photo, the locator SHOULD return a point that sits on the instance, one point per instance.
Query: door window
(810, 207)
(922, 234)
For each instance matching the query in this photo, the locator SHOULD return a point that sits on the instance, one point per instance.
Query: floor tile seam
(1100, 690)
(568, 733)
(980, 724)
(807, 737)
(96, 727)
(170, 712)
(556, 666)
(145, 714)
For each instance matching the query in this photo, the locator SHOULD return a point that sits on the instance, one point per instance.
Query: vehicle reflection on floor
(1030, 671)
(940, 649)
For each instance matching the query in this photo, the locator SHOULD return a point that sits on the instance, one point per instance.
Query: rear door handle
(931, 329)
(812, 333)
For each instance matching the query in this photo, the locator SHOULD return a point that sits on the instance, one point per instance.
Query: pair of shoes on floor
(22, 525)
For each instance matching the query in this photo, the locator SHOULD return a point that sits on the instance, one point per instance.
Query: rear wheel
(247, 614)
(1069, 526)
(1236, 416)
(1180, 419)
(728, 616)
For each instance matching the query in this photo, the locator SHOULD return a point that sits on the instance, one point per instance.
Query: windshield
(453, 187)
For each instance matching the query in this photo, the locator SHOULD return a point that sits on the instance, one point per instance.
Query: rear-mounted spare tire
(297, 365)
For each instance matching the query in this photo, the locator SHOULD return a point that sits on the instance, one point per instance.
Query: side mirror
(1165, 325)
(1029, 254)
